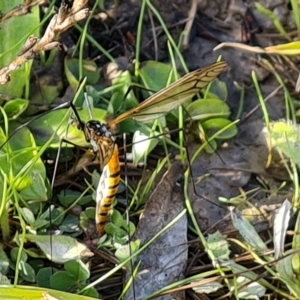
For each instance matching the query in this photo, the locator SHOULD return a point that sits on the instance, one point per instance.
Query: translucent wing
(172, 96)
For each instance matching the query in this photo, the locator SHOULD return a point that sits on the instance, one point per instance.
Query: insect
(101, 135)
(102, 139)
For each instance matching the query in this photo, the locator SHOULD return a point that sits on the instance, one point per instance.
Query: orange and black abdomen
(107, 189)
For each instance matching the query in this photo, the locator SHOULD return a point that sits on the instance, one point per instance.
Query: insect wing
(173, 96)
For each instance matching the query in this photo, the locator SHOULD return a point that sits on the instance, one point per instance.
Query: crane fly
(101, 135)
(102, 139)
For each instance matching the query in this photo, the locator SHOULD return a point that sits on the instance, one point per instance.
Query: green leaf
(27, 272)
(15, 108)
(62, 281)
(218, 245)
(37, 190)
(13, 34)
(44, 127)
(285, 269)
(35, 293)
(4, 280)
(212, 126)
(90, 292)
(70, 224)
(207, 288)
(60, 249)
(117, 218)
(218, 89)
(248, 289)
(56, 214)
(203, 109)
(124, 251)
(23, 165)
(89, 68)
(155, 76)
(211, 147)
(68, 197)
(118, 104)
(4, 262)
(78, 269)
(27, 215)
(39, 224)
(36, 264)
(117, 232)
(247, 231)
(90, 212)
(286, 138)
(142, 146)
(43, 276)
(14, 252)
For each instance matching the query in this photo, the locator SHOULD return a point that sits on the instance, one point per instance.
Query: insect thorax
(97, 132)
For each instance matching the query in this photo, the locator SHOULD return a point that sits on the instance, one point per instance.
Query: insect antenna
(63, 105)
(64, 140)
(81, 125)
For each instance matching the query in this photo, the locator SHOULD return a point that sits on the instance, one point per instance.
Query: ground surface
(239, 164)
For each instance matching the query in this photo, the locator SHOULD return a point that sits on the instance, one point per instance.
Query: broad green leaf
(212, 126)
(124, 251)
(4, 280)
(37, 190)
(90, 212)
(203, 109)
(207, 288)
(35, 293)
(248, 289)
(142, 146)
(44, 127)
(286, 274)
(89, 68)
(4, 263)
(13, 35)
(218, 245)
(155, 76)
(68, 197)
(43, 276)
(70, 224)
(90, 292)
(218, 89)
(36, 264)
(117, 218)
(15, 252)
(286, 138)
(60, 249)
(28, 215)
(62, 281)
(78, 269)
(247, 231)
(27, 272)
(56, 214)
(211, 147)
(121, 87)
(15, 108)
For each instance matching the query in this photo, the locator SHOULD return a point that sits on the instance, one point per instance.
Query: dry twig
(60, 22)
(22, 9)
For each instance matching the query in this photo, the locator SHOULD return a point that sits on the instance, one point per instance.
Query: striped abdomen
(107, 189)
